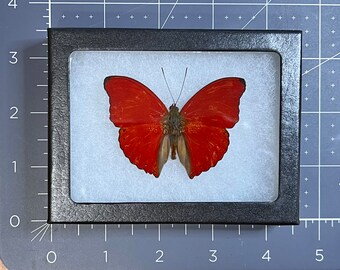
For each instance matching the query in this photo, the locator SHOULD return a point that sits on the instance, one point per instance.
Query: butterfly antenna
(167, 85)
(180, 93)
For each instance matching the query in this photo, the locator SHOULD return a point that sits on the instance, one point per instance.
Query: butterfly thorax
(173, 124)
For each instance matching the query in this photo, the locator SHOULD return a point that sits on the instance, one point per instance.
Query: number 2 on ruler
(159, 259)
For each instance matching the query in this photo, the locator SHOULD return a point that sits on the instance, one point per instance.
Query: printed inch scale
(28, 242)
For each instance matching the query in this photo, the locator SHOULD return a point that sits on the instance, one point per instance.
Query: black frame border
(62, 42)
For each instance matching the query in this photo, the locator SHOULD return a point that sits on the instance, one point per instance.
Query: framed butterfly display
(174, 126)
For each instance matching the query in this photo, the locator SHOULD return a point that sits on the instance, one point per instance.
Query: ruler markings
(39, 112)
(319, 128)
(45, 230)
(254, 17)
(38, 228)
(167, 18)
(322, 112)
(39, 166)
(212, 14)
(320, 219)
(159, 14)
(49, 13)
(159, 232)
(51, 235)
(320, 166)
(38, 220)
(40, 231)
(212, 232)
(38, 57)
(267, 3)
(182, 4)
(320, 58)
(104, 13)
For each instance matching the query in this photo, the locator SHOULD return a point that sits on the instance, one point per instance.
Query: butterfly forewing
(132, 103)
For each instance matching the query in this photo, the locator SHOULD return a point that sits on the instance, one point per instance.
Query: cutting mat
(27, 242)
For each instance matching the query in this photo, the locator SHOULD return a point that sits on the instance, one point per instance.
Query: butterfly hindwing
(205, 145)
(207, 115)
(138, 112)
(141, 144)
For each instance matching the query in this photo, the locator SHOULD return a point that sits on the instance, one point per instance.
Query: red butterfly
(148, 131)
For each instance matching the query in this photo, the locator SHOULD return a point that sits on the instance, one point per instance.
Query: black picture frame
(61, 208)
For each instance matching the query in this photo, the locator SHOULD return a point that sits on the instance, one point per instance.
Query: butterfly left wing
(207, 114)
(138, 112)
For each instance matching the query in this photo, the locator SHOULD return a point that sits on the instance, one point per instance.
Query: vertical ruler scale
(39, 116)
(319, 145)
(23, 141)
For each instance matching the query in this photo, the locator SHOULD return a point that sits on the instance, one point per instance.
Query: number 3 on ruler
(13, 3)
(213, 255)
(14, 58)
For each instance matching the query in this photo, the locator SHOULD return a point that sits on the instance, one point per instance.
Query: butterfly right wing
(207, 115)
(139, 113)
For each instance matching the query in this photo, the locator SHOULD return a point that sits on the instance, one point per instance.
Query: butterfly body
(173, 126)
(149, 132)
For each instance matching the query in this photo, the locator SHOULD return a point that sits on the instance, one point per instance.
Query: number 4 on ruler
(266, 256)
(13, 3)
